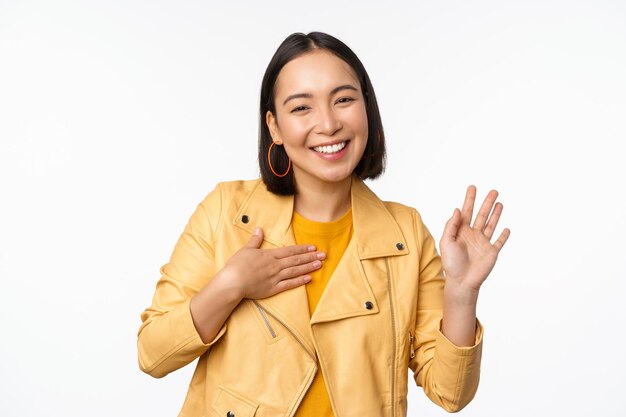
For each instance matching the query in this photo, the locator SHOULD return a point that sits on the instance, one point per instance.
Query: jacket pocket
(227, 403)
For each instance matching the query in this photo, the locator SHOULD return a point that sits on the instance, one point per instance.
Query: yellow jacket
(380, 313)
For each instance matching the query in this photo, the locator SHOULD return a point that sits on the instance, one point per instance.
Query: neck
(323, 202)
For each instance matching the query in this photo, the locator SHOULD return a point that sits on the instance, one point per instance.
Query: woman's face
(320, 118)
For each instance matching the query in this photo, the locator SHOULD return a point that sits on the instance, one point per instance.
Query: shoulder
(402, 214)
(407, 217)
(227, 196)
(389, 215)
(399, 210)
(229, 190)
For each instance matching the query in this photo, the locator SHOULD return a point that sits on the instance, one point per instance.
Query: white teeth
(330, 148)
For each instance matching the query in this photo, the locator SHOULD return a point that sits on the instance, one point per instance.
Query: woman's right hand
(261, 273)
(251, 273)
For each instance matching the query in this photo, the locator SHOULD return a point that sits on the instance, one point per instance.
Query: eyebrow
(309, 95)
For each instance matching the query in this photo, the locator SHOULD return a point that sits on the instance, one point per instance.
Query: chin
(328, 176)
(336, 177)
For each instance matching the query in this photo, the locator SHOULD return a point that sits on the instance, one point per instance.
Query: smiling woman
(302, 293)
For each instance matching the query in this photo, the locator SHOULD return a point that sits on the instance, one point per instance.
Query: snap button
(369, 305)
(230, 414)
(400, 245)
(244, 219)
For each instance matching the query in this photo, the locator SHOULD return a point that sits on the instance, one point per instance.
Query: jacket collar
(376, 232)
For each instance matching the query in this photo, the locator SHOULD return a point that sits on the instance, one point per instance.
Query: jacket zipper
(267, 322)
(308, 386)
(393, 336)
(411, 340)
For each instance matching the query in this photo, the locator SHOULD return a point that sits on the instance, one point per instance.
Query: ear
(270, 120)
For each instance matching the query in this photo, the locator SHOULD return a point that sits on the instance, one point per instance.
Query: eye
(299, 109)
(344, 100)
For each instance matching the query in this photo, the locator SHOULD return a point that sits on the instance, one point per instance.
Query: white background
(118, 117)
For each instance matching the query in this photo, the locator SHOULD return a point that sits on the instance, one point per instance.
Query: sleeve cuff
(171, 342)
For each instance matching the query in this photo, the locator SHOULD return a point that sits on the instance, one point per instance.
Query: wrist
(228, 286)
(460, 295)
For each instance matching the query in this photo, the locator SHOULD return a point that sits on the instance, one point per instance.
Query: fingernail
(317, 264)
(257, 231)
(321, 255)
(307, 278)
(311, 248)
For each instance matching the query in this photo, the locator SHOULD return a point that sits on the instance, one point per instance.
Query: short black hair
(373, 162)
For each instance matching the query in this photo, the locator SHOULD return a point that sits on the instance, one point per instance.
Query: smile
(331, 149)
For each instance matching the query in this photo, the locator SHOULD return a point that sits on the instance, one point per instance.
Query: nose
(328, 123)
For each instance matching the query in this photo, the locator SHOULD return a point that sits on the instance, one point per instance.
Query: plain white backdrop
(118, 117)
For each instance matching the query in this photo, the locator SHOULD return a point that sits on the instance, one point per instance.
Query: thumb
(256, 239)
(452, 227)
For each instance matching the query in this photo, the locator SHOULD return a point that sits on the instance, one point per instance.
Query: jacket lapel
(376, 234)
(375, 229)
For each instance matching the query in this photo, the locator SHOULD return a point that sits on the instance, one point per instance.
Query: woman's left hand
(467, 254)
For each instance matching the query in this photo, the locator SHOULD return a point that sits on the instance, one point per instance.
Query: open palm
(467, 254)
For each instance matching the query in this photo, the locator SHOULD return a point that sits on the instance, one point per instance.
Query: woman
(302, 293)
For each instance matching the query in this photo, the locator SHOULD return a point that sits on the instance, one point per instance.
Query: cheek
(294, 131)
(358, 121)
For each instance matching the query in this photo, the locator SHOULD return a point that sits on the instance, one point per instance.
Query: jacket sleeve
(448, 374)
(167, 338)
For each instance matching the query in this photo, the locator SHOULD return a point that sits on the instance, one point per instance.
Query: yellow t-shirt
(331, 238)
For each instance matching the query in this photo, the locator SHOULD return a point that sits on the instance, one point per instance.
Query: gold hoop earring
(269, 161)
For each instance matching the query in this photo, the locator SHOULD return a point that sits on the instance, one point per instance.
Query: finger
(290, 283)
(485, 209)
(298, 270)
(493, 220)
(468, 205)
(452, 227)
(256, 239)
(292, 250)
(299, 259)
(502, 239)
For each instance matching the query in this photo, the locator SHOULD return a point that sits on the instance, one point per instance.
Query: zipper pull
(411, 339)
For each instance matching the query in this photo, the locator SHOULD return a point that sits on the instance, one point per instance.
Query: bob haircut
(372, 163)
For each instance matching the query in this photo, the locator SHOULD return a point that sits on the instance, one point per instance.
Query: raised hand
(467, 254)
(260, 273)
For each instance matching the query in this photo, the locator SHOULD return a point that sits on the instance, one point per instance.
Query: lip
(334, 156)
